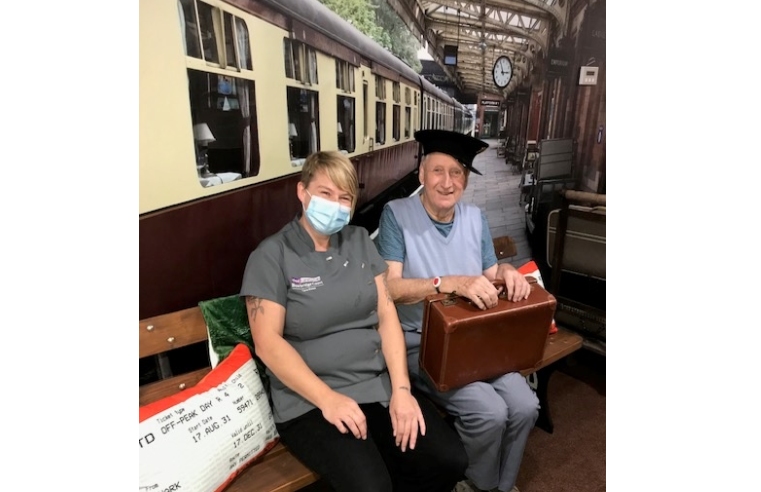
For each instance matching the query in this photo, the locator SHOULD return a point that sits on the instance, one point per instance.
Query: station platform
(497, 193)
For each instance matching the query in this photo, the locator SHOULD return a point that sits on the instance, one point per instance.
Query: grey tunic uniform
(330, 301)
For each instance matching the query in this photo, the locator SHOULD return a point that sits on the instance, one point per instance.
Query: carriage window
(407, 118)
(244, 48)
(396, 122)
(345, 124)
(407, 97)
(209, 24)
(300, 62)
(416, 123)
(208, 39)
(380, 87)
(303, 123)
(231, 58)
(428, 113)
(344, 76)
(396, 92)
(190, 34)
(223, 111)
(311, 66)
(380, 123)
(380, 110)
(365, 109)
(222, 106)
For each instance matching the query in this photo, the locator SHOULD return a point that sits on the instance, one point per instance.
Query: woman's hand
(406, 418)
(345, 414)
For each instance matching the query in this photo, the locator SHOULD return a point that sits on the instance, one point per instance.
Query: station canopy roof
(482, 31)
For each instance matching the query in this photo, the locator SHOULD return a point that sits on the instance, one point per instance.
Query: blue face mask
(327, 217)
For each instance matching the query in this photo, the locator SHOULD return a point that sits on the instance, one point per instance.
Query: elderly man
(434, 243)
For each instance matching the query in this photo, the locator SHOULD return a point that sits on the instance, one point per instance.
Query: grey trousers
(494, 420)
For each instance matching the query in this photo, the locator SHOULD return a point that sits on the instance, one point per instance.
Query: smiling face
(331, 175)
(444, 180)
(321, 185)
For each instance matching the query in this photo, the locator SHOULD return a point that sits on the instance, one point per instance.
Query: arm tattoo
(254, 306)
(385, 286)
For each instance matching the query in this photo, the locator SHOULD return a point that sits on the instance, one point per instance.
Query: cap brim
(459, 146)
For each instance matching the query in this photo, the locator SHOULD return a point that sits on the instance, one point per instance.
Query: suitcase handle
(449, 298)
(497, 283)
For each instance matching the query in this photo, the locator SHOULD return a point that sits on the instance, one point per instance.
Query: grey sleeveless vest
(428, 253)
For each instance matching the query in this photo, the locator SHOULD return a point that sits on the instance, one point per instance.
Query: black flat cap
(462, 147)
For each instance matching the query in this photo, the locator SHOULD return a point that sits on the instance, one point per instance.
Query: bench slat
(279, 471)
(559, 345)
(504, 247)
(171, 331)
(167, 387)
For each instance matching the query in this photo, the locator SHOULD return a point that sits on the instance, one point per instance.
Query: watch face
(503, 71)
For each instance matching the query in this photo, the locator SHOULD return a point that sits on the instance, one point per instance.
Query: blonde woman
(326, 328)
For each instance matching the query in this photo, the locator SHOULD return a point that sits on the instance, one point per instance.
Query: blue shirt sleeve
(488, 256)
(390, 241)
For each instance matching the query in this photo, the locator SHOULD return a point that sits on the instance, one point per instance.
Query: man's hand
(480, 290)
(516, 284)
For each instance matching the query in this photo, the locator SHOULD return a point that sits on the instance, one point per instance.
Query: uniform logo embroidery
(304, 284)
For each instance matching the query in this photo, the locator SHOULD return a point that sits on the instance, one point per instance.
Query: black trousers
(349, 464)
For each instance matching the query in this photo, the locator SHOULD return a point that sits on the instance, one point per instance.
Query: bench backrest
(504, 247)
(278, 470)
(161, 334)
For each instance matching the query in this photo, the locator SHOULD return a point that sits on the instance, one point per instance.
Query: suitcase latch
(449, 301)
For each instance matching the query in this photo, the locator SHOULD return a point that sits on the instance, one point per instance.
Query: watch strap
(437, 284)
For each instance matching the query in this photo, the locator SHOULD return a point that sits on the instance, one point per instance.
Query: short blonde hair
(338, 168)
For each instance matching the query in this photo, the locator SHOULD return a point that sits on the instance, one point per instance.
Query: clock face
(502, 72)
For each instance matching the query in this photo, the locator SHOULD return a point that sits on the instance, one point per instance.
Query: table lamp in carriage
(292, 134)
(203, 137)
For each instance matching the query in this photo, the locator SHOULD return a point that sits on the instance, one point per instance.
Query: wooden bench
(560, 345)
(278, 470)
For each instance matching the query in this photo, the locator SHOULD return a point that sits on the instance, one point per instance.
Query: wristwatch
(437, 284)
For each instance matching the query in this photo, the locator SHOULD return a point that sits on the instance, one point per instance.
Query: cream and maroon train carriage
(233, 96)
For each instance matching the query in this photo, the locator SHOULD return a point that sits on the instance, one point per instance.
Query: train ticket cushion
(227, 326)
(531, 269)
(200, 439)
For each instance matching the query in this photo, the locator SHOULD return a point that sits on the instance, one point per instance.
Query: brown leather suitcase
(460, 343)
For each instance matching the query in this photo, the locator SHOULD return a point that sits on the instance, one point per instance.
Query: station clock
(502, 71)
